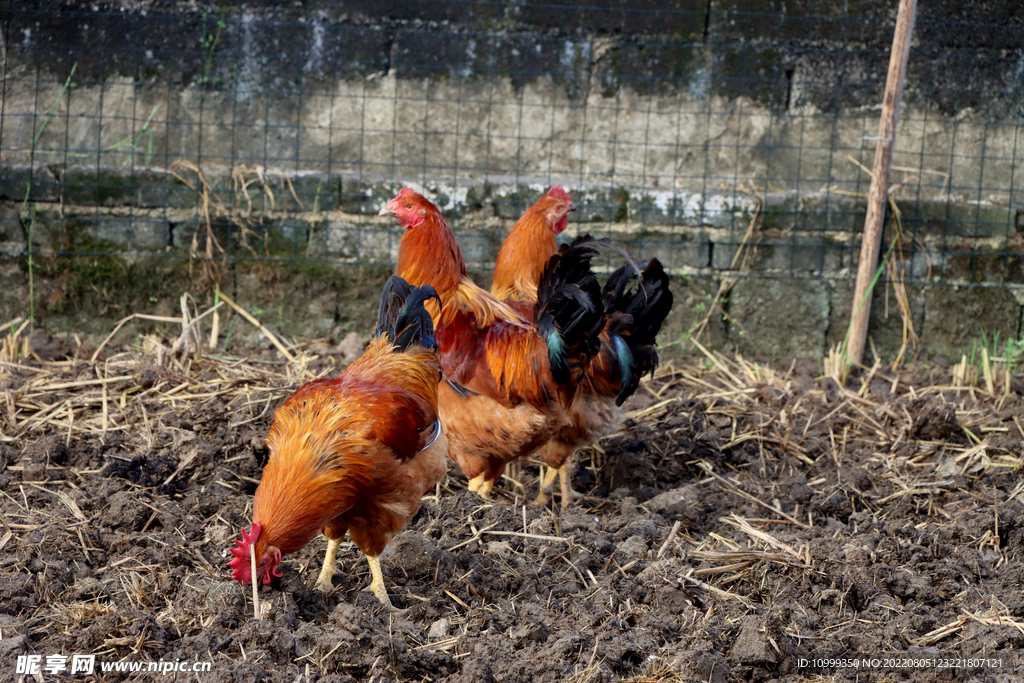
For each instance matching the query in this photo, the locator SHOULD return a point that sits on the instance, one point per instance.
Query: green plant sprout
(1010, 352)
(133, 145)
(209, 43)
(31, 273)
(316, 199)
(49, 114)
(28, 192)
(227, 335)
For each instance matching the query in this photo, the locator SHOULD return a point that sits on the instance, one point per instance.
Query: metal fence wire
(684, 129)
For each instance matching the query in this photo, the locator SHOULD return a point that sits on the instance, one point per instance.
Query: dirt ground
(747, 519)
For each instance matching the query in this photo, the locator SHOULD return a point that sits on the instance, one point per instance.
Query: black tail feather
(635, 316)
(402, 315)
(569, 312)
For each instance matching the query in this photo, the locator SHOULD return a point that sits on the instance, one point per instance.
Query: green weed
(133, 145)
(209, 44)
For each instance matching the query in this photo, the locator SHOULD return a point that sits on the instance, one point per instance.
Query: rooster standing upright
(353, 453)
(509, 379)
(633, 319)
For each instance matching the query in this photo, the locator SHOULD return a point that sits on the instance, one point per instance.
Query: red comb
(241, 564)
(558, 192)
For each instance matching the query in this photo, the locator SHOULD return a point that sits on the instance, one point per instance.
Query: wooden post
(877, 196)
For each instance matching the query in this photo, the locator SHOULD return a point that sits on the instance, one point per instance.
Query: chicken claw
(480, 485)
(323, 583)
(377, 583)
(548, 481)
(563, 474)
(568, 495)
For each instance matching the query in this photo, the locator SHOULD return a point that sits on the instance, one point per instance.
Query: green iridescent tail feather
(569, 312)
(635, 315)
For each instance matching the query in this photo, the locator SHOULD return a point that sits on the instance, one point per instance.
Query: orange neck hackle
(428, 254)
(529, 246)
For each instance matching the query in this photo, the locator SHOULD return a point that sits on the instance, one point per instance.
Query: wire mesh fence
(731, 137)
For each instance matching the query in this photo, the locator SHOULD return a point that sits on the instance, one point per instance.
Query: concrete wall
(675, 125)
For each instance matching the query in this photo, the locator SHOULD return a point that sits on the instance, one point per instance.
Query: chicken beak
(386, 211)
(572, 207)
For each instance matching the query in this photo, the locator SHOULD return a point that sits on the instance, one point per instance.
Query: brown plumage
(508, 378)
(355, 453)
(633, 320)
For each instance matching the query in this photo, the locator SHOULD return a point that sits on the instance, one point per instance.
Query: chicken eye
(408, 207)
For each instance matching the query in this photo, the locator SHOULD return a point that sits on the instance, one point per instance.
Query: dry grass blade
(993, 616)
(457, 599)
(918, 489)
(837, 365)
(123, 321)
(745, 254)
(184, 463)
(745, 561)
(49, 388)
(440, 645)
(522, 535)
(238, 176)
(13, 347)
(668, 539)
(717, 592)
(210, 205)
(896, 269)
(476, 537)
(266, 333)
(72, 506)
(653, 411)
(734, 488)
(797, 558)
(718, 362)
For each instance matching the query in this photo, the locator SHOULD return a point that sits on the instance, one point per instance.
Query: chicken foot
(564, 474)
(323, 583)
(481, 486)
(564, 477)
(377, 583)
(548, 481)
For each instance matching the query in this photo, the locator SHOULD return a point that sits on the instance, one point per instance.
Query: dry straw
(769, 412)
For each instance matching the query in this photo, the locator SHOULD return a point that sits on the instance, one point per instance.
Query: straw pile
(737, 491)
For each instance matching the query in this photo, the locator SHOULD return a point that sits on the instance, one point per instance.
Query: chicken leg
(481, 485)
(564, 473)
(548, 481)
(377, 582)
(323, 584)
(565, 477)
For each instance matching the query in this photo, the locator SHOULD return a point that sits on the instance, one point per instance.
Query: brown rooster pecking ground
(353, 453)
